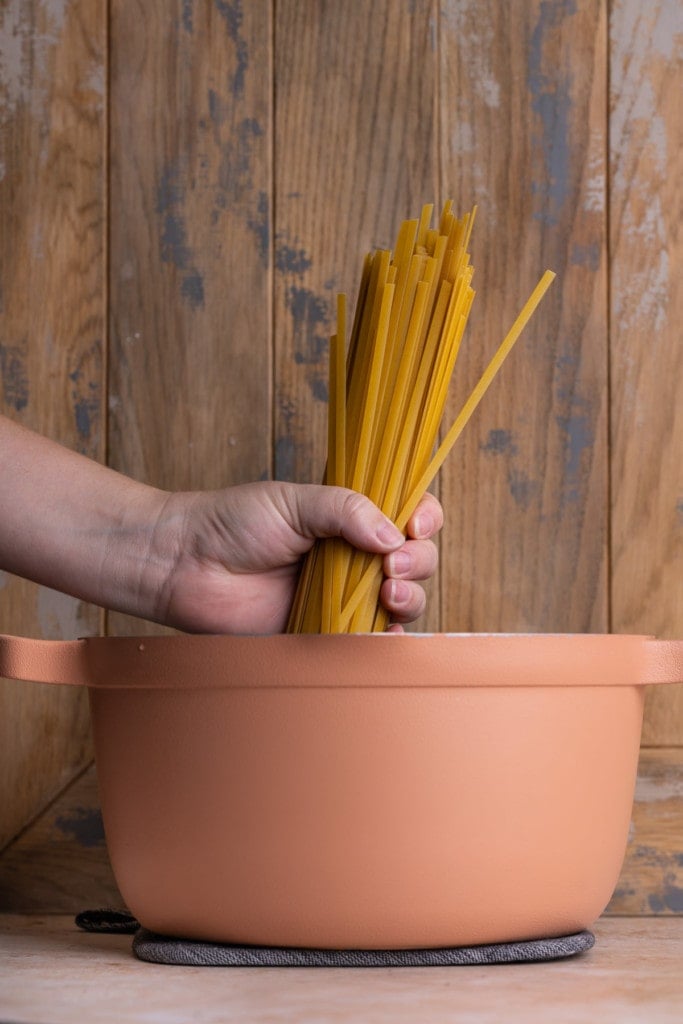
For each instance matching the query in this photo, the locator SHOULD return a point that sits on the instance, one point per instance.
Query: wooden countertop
(51, 973)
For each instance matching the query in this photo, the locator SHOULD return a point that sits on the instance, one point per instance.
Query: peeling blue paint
(84, 825)
(260, 226)
(86, 397)
(522, 488)
(587, 256)
(217, 109)
(620, 893)
(174, 248)
(673, 898)
(192, 289)
(188, 16)
(319, 388)
(669, 900)
(173, 241)
(14, 374)
(171, 190)
(311, 345)
(289, 260)
(309, 312)
(232, 16)
(578, 431)
(499, 442)
(83, 410)
(285, 458)
(551, 91)
(235, 171)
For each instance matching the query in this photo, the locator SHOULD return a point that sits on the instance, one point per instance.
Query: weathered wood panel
(51, 339)
(60, 863)
(525, 491)
(356, 153)
(651, 880)
(190, 146)
(379, 108)
(646, 142)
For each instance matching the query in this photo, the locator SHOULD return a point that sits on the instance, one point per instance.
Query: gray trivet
(159, 949)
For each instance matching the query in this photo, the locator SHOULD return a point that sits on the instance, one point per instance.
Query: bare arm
(210, 561)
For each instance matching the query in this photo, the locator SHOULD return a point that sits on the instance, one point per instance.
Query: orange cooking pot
(363, 791)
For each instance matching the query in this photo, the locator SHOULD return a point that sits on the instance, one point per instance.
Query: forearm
(70, 523)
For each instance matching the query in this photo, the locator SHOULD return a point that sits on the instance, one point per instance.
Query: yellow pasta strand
(387, 395)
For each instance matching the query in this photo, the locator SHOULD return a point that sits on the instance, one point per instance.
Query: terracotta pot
(363, 791)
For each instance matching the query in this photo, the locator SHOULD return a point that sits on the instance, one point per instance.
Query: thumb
(326, 511)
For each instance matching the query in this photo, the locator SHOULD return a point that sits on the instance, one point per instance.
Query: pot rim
(295, 661)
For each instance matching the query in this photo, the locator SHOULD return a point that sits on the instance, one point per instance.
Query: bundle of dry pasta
(386, 400)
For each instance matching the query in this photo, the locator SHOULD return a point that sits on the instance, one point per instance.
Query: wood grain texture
(190, 289)
(59, 864)
(224, 265)
(525, 490)
(646, 351)
(356, 154)
(52, 972)
(651, 880)
(51, 339)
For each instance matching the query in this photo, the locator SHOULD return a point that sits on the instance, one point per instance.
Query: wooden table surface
(50, 972)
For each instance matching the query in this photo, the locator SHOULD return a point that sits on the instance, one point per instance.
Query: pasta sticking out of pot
(387, 396)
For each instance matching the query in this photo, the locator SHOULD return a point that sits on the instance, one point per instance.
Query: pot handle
(42, 661)
(663, 661)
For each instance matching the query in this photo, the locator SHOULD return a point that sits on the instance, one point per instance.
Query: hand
(235, 554)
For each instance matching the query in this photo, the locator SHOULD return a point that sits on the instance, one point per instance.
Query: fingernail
(387, 533)
(399, 563)
(400, 592)
(423, 525)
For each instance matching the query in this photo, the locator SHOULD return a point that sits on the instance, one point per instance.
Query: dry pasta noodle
(387, 395)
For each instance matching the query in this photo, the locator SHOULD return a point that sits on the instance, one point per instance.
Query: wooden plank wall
(187, 185)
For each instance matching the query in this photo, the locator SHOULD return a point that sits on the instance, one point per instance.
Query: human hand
(234, 555)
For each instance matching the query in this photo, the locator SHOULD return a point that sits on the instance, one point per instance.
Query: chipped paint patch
(232, 15)
(587, 256)
(285, 458)
(235, 188)
(578, 438)
(94, 82)
(652, 789)
(311, 345)
(188, 16)
(259, 225)
(644, 37)
(235, 172)
(86, 398)
(26, 57)
(14, 375)
(669, 900)
(551, 90)
(4, 579)
(84, 825)
(192, 289)
(524, 491)
(595, 188)
(473, 23)
(290, 260)
(499, 442)
(173, 242)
